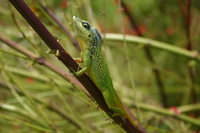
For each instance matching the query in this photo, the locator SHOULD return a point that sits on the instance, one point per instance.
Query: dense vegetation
(151, 48)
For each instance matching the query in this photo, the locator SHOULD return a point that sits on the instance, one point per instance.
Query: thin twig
(51, 14)
(20, 30)
(149, 56)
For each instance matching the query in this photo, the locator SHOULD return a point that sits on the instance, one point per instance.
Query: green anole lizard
(90, 42)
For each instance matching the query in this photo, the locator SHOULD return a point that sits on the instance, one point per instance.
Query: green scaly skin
(95, 66)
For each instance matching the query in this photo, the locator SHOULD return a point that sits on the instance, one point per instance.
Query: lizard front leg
(86, 60)
(80, 72)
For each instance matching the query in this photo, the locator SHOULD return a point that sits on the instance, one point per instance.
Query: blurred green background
(160, 86)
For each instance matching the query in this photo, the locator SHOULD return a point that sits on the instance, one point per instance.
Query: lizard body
(95, 66)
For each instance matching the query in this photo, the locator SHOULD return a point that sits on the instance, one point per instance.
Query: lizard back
(99, 72)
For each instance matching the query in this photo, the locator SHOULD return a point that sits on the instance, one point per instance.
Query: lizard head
(84, 32)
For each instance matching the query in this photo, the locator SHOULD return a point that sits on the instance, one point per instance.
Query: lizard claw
(107, 119)
(97, 106)
(71, 70)
(74, 72)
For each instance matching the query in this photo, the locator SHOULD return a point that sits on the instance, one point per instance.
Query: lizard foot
(107, 119)
(97, 105)
(113, 122)
(71, 70)
(117, 112)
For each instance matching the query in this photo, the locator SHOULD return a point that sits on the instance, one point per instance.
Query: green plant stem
(21, 112)
(153, 43)
(25, 123)
(168, 112)
(20, 30)
(189, 108)
(49, 106)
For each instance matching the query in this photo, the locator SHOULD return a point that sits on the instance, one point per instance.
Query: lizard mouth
(75, 19)
(76, 22)
(78, 28)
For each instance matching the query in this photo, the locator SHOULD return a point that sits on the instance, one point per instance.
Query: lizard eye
(86, 25)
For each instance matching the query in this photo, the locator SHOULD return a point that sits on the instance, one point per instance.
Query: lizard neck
(94, 46)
